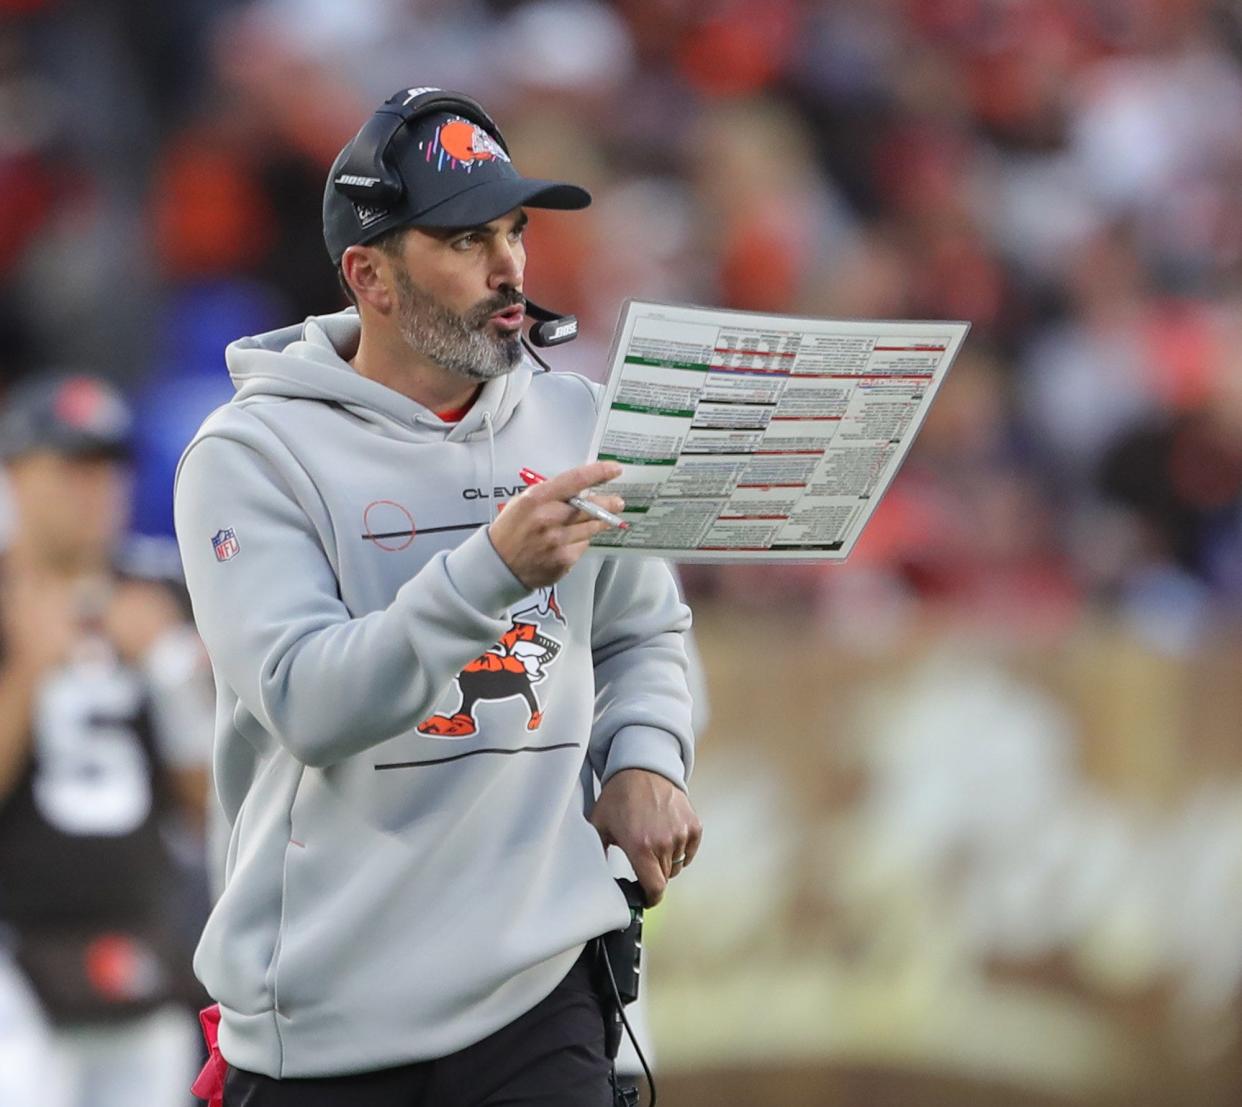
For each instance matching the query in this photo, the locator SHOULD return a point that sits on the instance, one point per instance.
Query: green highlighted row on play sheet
(643, 409)
(632, 359)
(638, 460)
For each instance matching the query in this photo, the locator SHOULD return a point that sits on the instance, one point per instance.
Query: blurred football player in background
(105, 724)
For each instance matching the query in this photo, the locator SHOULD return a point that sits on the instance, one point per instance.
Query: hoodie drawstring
(491, 462)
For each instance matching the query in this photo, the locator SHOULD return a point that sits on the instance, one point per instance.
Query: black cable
(531, 350)
(616, 994)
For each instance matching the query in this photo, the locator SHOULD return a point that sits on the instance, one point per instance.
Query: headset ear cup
(365, 177)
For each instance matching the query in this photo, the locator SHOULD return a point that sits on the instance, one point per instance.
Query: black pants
(552, 1056)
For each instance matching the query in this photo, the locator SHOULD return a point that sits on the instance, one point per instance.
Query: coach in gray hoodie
(416, 687)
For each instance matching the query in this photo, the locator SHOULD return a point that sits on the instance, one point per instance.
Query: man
(104, 729)
(416, 686)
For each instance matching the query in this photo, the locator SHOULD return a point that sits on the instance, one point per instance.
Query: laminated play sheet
(746, 436)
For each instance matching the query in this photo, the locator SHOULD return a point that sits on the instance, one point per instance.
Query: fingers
(546, 504)
(655, 868)
(583, 532)
(650, 871)
(601, 828)
(549, 517)
(652, 877)
(674, 862)
(654, 871)
(583, 527)
(574, 481)
(692, 841)
(615, 504)
(685, 846)
(539, 536)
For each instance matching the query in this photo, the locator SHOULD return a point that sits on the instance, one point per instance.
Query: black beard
(459, 344)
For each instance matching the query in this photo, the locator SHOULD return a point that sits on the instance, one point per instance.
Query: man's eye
(465, 242)
(517, 234)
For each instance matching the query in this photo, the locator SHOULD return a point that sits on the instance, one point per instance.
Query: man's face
(70, 508)
(459, 296)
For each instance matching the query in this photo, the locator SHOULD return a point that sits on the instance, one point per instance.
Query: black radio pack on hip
(621, 953)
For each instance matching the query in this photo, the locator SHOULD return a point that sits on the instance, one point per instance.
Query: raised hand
(539, 536)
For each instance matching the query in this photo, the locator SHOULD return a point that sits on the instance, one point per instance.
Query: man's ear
(369, 273)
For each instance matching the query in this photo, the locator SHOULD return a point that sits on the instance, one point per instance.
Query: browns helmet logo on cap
(466, 143)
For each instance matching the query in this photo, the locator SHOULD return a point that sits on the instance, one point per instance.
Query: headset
(369, 181)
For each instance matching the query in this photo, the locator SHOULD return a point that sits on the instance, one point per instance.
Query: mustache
(481, 313)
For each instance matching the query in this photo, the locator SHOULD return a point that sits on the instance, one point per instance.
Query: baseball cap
(453, 170)
(74, 414)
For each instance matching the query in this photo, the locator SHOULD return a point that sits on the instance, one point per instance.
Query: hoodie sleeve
(642, 702)
(326, 685)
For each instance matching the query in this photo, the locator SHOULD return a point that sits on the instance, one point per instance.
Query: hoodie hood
(308, 361)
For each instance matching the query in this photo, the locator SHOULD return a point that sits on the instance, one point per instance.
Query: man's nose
(507, 264)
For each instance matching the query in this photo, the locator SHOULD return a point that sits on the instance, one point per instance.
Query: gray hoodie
(402, 728)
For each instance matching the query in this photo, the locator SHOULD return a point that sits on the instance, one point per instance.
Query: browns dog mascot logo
(508, 670)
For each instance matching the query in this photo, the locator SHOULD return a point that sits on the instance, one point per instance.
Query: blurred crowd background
(974, 800)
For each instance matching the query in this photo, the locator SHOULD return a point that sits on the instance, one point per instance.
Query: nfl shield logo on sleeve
(224, 542)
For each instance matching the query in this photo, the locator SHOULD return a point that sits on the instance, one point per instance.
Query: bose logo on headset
(354, 179)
